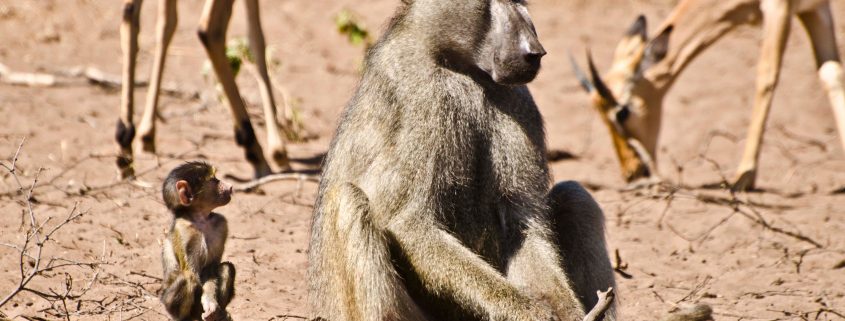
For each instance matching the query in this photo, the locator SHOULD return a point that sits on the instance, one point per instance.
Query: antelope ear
(657, 48)
(183, 189)
(639, 28)
(598, 83)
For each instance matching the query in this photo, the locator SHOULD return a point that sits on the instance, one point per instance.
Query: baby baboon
(197, 286)
(435, 201)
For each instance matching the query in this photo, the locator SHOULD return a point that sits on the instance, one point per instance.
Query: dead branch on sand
(77, 76)
(748, 209)
(300, 177)
(31, 261)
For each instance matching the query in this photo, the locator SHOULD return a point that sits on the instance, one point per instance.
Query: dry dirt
(688, 246)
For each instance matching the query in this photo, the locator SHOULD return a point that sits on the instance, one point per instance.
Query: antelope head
(628, 103)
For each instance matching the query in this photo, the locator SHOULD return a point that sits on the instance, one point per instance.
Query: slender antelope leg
(125, 131)
(776, 16)
(212, 33)
(275, 142)
(819, 26)
(166, 26)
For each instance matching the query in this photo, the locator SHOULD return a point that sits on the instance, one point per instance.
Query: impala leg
(776, 17)
(125, 131)
(212, 33)
(165, 28)
(275, 141)
(819, 26)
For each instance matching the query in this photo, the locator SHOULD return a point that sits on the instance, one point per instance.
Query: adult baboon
(435, 202)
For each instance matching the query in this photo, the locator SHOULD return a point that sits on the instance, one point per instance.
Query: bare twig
(604, 303)
(145, 275)
(747, 209)
(620, 267)
(80, 76)
(12, 168)
(283, 317)
(31, 261)
(696, 289)
(277, 177)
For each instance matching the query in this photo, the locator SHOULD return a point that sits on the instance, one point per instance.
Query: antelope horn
(601, 88)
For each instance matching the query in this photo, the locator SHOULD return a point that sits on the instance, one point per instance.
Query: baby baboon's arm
(211, 271)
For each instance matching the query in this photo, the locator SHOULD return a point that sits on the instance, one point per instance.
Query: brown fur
(196, 283)
(434, 203)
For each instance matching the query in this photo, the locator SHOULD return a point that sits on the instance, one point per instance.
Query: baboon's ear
(657, 48)
(183, 189)
(639, 28)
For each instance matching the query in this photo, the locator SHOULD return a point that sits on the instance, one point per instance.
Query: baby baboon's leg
(181, 296)
(212, 33)
(226, 285)
(578, 225)
(275, 142)
(356, 281)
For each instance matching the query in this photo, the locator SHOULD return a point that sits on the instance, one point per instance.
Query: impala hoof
(744, 181)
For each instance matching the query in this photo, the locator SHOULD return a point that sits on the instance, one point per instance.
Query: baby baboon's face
(511, 52)
(217, 192)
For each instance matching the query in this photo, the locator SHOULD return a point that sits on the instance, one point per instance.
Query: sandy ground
(676, 247)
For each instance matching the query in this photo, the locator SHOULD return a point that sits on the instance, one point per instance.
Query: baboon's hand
(209, 307)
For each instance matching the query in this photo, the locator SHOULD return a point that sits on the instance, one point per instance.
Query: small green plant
(237, 53)
(237, 50)
(348, 25)
(294, 128)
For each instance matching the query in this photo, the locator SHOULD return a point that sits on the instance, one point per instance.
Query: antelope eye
(623, 114)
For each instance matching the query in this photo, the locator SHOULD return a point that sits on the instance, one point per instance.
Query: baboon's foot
(744, 180)
(218, 315)
(690, 312)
